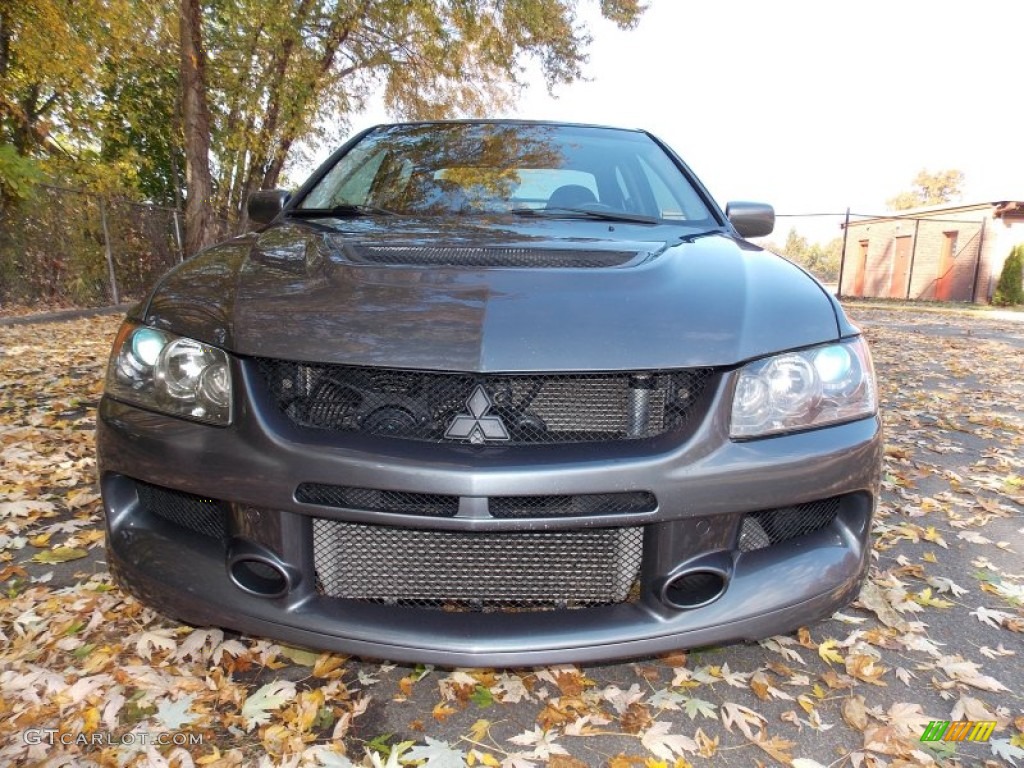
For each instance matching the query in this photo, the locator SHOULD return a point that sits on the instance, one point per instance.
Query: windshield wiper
(346, 210)
(702, 233)
(637, 218)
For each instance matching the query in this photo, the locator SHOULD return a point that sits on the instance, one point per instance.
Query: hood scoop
(475, 257)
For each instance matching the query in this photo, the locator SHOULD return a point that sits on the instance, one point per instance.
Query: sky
(810, 106)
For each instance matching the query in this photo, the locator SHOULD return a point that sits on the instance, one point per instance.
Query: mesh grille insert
(399, 502)
(519, 507)
(772, 526)
(455, 570)
(523, 258)
(200, 514)
(500, 409)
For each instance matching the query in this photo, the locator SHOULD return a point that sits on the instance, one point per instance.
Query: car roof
(506, 121)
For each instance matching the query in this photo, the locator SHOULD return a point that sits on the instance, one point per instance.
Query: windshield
(448, 169)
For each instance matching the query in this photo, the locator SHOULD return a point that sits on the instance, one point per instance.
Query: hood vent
(472, 257)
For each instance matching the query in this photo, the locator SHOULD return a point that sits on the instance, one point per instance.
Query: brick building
(945, 252)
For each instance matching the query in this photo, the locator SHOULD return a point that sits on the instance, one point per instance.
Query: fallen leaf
(302, 656)
(257, 707)
(991, 617)
(854, 712)
(777, 747)
(871, 597)
(665, 745)
(827, 651)
(744, 718)
(59, 555)
(437, 754)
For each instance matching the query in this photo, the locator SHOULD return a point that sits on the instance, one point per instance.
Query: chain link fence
(72, 248)
(68, 247)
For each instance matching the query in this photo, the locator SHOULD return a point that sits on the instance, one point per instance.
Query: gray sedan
(492, 393)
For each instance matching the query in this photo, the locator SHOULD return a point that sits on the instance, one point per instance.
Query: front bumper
(704, 489)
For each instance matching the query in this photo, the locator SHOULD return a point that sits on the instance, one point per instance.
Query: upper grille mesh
(532, 408)
(476, 571)
(202, 515)
(772, 526)
(526, 258)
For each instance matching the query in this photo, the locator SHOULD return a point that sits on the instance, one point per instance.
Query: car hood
(645, 297)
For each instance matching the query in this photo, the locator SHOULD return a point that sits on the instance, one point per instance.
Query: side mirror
(264, 205)
(751, 219)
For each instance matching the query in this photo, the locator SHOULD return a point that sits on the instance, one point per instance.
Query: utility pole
(842, 256)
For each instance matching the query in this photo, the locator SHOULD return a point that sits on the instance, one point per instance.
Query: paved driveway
(937, 634)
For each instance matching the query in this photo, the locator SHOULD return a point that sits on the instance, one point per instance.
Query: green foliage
(18, 175)
(929, 189)
(52, 54)
(88, 88)
(625, 13)
(820, 260)
(482, 697)
(140, 126)
(1010, 288)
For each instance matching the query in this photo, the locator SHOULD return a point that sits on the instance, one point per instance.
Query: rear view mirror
(264, 205)
(751, 219)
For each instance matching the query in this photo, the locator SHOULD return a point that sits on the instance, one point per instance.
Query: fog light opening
(259, 576)
(696, 588)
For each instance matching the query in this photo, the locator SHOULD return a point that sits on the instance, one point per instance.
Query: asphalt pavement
(951, 513)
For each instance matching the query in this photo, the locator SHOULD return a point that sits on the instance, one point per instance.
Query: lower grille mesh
(202, 515)
(773, 526)
(371, 500)
(476, 571)
(500, 507)
(521, 507)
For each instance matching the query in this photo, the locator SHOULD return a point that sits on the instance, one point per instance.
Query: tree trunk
(199, 222)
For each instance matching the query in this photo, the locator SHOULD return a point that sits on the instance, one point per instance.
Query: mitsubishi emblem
(476, 426)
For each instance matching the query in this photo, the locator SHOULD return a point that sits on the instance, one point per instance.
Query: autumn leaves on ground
(936, 635)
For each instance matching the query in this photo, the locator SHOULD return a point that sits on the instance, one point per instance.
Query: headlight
(801, 390)
(173, 374)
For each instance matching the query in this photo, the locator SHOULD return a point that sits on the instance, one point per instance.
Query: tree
(929, 189)
(199, 231)
(820, 260)
(1010, 288)
(216, 97)
(283, 74)
(53, 55)
(140, 132)
(65, 68)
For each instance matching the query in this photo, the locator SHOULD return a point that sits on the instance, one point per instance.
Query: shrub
(1010, 288)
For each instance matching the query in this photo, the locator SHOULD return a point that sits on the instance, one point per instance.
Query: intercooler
(459, 570)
